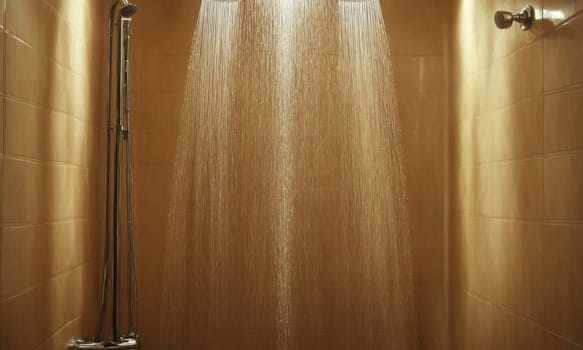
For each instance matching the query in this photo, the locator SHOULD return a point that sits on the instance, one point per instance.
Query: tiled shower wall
(418, 33)
(517, 170)
(51, 82)
(160, 61)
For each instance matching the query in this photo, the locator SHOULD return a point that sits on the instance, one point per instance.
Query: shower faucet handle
(526, 17)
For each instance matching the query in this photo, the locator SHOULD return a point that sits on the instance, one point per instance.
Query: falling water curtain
(288, 224)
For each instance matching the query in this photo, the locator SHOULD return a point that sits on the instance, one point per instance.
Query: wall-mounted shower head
(128, 9)
(504, 19)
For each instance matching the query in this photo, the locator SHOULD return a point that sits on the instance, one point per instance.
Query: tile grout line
(534, 157)
(49, 109)
(521, 220)
(43, 283)
(566, 21)
(26, 225)
(61, 328)
(46, 162)
(506, 309)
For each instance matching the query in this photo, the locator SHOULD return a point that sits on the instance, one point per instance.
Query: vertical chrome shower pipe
(131, 273)
(120, 15)
(119, 133)
(113, 203)
(108, 128)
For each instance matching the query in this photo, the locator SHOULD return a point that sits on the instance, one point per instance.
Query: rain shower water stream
(288, 225)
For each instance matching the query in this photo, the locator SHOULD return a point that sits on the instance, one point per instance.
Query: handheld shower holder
(505, 19)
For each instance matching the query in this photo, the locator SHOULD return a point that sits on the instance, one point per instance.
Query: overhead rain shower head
(128, 9)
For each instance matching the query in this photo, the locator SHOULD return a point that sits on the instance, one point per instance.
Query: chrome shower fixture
(127, 9)
(526, 18)
(117, 152)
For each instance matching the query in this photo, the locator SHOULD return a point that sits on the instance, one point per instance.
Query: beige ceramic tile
(2, 58)
(519, 183)
(419, 74)
(158, 180)
(63, 43)
(26, 72)
(23, 189)
(431, 312)
(564, 280)
(158, 110)
(30, 318)
(152, 10)
(513, 275)
(563, 187)
(557, 11)
(353, 339)
(79, 14)
(465, 105)
(39, 192)
(426, 342)
(499, 260)
(505, 134)
(25, 20)
(563, 122)
(464, 144)
(2, 121)
(153, 40)
(427, 252)
(27, 127)
(66, 90)
(155, 147)
(417, 38)
(397, 10)
(511, 332)
(422, 111)
(57, 248)
(472, 322)
(2, 12)
(552, 341)
(457, 252)
(2, 198)
(163, 73)
(81, 140)
(465, 199)
(517, 76)
(64, 335)
(562, 57)
(515, 132)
